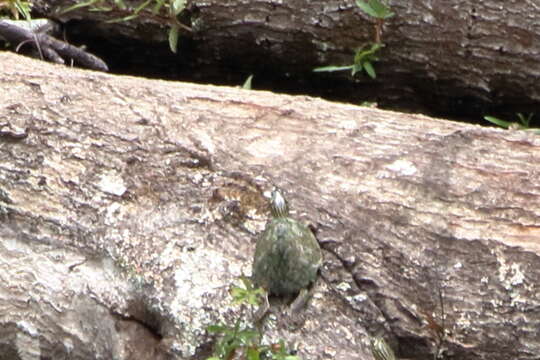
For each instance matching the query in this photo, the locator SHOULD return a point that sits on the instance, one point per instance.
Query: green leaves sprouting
(164, 11)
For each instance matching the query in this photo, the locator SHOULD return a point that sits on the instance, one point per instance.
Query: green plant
(248, 294)
(247, 83)
(162, 11)
(363, 60)
(16, 8)
(523, 124)
(369, 104)
(366, 55)
(375, 8)
(234, 339)
(243, 339)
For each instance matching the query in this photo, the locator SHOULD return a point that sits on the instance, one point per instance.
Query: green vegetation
(163, 11)
(242, 339)
(375, 8)
(523, 124)
(363, 60)
(369, 104)
(16, 8)
(247, 83)
(366, 55)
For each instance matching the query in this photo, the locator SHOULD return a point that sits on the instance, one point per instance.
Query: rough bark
(128, 206)
(469, 57)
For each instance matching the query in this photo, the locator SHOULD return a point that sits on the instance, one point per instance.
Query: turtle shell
(287, 257)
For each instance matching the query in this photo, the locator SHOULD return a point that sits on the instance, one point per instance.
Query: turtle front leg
(296, 318)
(302, 299)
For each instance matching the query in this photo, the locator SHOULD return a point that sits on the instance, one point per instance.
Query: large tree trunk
(128, 207)
(452, 53)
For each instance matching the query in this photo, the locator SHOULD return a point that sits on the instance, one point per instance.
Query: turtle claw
(300, 301)
(263, 309)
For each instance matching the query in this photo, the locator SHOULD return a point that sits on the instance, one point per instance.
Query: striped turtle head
(381, 350)
(278, 205)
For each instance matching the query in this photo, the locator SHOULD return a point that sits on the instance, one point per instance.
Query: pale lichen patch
(28, 346)
(112, 183)
(199, 281)
(267, 147)
(111, 213)
(402, 167)
(510, 275)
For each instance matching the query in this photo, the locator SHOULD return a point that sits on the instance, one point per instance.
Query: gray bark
(129, 206)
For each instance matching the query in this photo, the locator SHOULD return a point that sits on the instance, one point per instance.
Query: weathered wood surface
(128, 206)
(453, 53)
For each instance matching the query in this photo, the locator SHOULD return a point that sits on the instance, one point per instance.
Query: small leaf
(246, 336)
(358, 56)
(369, 70)
(178, 6)
(238, 294)
(216, 328)
(363, 54)
(376, 47)
(173, 38)
(497, 121)
(525, 121)
(253, 353)
(370, 104)
(78, 6)
(120, 4)
(356, 69)
(365, 7)
(381, 9)
(248, 295)
(24, 9)
(142, 6)
(332, 68)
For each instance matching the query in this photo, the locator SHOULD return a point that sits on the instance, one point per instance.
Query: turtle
(287, 255)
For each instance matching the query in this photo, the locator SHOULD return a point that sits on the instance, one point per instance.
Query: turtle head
(278, 205)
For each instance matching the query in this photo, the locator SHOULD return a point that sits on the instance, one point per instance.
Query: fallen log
(129, 206)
